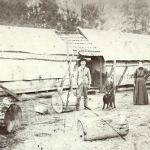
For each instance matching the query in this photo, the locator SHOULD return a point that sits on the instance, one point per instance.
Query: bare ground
(59, 131)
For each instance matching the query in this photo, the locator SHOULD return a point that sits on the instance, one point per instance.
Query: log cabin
(126, 49)
(36, 60)
(32, 60)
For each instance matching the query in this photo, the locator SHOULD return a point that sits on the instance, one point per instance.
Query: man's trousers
(82, 90)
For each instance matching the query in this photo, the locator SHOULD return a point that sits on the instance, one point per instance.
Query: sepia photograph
(74, 75)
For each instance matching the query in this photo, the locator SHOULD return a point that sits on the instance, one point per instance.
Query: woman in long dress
(140, 96)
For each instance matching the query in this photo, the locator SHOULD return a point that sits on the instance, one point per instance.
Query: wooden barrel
(64, 102)
(96, 129)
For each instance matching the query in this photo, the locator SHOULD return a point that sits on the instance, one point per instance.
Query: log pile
(97, 129)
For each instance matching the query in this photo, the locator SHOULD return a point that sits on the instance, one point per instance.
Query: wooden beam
(114, 77)
(129, 65)
(101, 74)
(10, 92)
(109, 74)
(64, 77)
(121, 78)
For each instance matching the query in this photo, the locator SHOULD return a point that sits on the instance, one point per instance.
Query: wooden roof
(119, 45)
(80, 44)
(31, 40)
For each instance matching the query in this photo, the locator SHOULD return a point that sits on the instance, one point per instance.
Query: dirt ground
(59, 131)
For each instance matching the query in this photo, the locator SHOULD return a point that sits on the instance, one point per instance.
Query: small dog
(108, 99)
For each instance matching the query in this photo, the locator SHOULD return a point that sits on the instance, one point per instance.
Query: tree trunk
(10, 117)
(97, 129)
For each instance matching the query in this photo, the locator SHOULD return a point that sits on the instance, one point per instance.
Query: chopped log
(41, 109)
(11, 117)
(64, 103)
(45, 106)
(98, 129)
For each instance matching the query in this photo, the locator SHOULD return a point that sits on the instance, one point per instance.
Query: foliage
(90, 15)
(44, 14)
(127, 16)
(137, 16)
(12, 14)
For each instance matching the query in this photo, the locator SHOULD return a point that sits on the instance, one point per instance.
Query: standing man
(83, 83)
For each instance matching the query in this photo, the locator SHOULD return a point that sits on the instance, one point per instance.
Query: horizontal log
(98, 129)
(127, 65)
(28, 56)
(33, 86)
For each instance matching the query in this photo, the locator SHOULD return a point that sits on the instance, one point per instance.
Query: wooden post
(114, 76)
(69, 64)
(109, 74)
(63, 80)
(10, 92)
(121, 78)
(101, 74)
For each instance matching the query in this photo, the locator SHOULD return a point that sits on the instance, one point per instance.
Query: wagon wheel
(57, 103)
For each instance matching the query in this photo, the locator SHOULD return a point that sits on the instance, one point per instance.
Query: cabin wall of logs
(26, 72)
(120, 68)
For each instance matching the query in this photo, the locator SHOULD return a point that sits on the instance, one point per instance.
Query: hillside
(128, 16)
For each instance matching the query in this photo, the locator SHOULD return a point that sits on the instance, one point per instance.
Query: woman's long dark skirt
(140, 96)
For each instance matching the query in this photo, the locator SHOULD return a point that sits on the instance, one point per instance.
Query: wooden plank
(14, 70)
(129, 65)
(81, 45)
(114, 76)
(69, 66)
(10, 92)
(121, 78)
(72, 36)
(101, 74)
(33, 86)
(78, 42)
(64, 77)
(25, 56)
